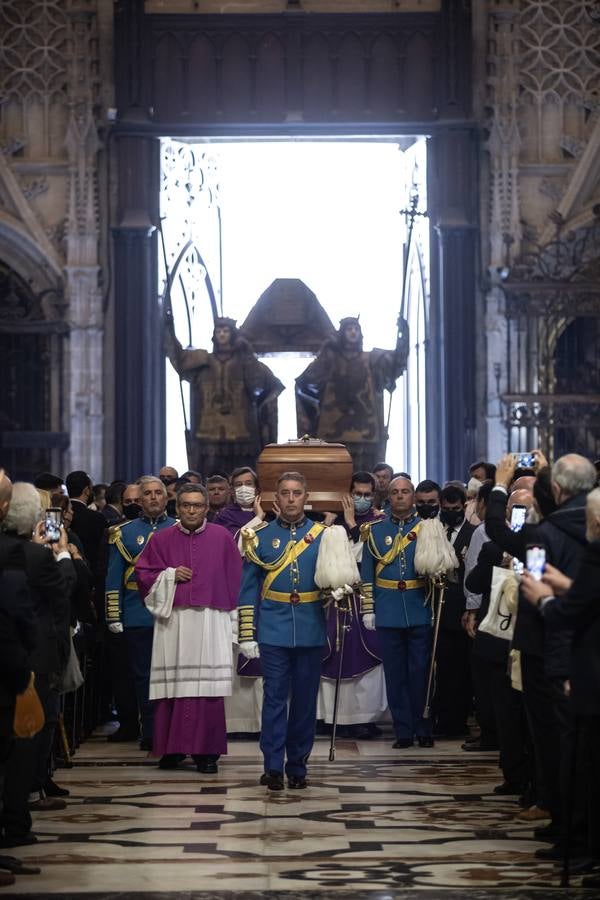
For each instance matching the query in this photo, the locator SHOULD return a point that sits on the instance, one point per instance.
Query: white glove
(233, 617)
(369, 621)
(115, 627)
(249, 649)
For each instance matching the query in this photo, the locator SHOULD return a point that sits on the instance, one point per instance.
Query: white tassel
(336, 565)
(434, 554)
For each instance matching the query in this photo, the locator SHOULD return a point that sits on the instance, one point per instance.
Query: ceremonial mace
(438, 587)
(402, 330)
(343, 610)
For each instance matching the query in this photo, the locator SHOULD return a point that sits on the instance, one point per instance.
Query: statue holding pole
(233, 398)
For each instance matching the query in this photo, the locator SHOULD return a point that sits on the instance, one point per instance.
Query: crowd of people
(220, 620)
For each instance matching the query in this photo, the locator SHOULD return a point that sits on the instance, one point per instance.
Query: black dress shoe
(170, 760)
(273, 780)
(506, 789)
(206, 763)
(121, 736)
(557, 852)
(51, 789)
(18, 840)
(11, 864)
(588, 865)
(146, 744)
(402, 743)
(546, 832)
(297, 782)
(425, 741)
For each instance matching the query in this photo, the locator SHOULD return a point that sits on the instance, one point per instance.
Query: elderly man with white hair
(50, 577)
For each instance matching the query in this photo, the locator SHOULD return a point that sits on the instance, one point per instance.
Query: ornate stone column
(451, 409)
(139, 370)
(82, 268)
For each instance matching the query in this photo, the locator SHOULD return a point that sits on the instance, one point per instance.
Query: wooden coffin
(326, 467)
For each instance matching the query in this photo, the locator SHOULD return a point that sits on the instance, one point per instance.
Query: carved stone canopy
(287, 317)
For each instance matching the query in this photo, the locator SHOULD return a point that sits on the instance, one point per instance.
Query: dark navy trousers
(139, 645)
(406, 656)
(289, 673)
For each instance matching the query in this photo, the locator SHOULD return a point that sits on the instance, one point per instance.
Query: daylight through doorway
(236, 216)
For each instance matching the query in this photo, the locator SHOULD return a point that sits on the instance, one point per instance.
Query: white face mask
(245, 495)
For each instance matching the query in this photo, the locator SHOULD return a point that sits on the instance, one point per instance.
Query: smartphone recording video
(536, 562)
(525, 460)
(517, 517)
(52, 523)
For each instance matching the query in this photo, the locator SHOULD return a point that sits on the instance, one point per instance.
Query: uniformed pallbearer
(400, 613)
(281, 612)
(125, 610)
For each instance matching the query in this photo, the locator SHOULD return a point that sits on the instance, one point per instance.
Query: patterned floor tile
(373, 824)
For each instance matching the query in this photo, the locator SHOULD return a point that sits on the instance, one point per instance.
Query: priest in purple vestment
(189, 578)
(246, 507)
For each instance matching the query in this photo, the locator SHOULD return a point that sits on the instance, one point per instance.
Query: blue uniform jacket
(399, 593)
(266, 612)
(126, 542)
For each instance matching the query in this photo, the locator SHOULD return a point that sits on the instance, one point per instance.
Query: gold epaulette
(114, 533)
(249, 539)
(365, 530)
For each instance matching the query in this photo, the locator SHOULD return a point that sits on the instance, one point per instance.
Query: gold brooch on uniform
(140, 538)
(388, 539)
(275, 543)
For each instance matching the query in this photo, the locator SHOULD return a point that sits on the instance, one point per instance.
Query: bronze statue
(339, 397)
(233, 399)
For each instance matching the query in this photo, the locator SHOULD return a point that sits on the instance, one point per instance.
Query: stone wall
(540, 109)
(54, 84)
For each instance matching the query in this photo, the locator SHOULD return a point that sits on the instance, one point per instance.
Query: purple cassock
(234, 518)
(361, 651)
(192, 725)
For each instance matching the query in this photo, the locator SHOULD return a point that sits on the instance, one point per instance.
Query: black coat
(454, 595)
(562, 534)
(578, 613)
(89, 525)
(50, 585)
(18, 628)
(91, 528)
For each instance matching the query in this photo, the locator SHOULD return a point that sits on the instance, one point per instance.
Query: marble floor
(376, 823)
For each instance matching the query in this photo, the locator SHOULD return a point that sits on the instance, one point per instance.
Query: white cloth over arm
(160, 598)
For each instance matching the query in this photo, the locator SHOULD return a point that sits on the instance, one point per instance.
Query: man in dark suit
(453, 693)
(545, 653)
(18, 634)
(573, 606)
(113, 510)
(89, 525)
(50, 578)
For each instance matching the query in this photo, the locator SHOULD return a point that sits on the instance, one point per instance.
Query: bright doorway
(327, 212)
